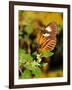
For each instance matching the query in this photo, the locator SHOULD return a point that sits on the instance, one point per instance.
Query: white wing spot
(46, 35)
(48, 29)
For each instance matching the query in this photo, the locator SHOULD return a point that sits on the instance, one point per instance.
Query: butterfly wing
(47, 41)
(52, 29)
(49, 44)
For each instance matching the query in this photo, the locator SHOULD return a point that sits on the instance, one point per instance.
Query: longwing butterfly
(47, 37)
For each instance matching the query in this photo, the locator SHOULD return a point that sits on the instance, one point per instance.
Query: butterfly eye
(48, 29)
(46, 35)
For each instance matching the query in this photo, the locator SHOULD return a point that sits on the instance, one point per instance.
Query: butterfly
(47, 37)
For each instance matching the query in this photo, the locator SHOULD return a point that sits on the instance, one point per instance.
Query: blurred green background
(31, 63)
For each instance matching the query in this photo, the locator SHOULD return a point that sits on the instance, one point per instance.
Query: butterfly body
(47, 37)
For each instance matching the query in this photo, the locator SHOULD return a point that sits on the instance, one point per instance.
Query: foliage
(47, 54)
(26, 74)
(36, 71)
(31, 66)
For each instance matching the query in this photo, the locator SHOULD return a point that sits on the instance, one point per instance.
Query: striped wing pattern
(48, 44)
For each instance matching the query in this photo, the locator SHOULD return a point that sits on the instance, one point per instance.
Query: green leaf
(22, 62)
(28, 66)
(31, 65)
(37, 72)
(23, 58)
(26, 74)
(28, 57)
(34, 53)
(23, 55)
(29, 29)
(21, 51)
(35, 63)
(46, 54)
